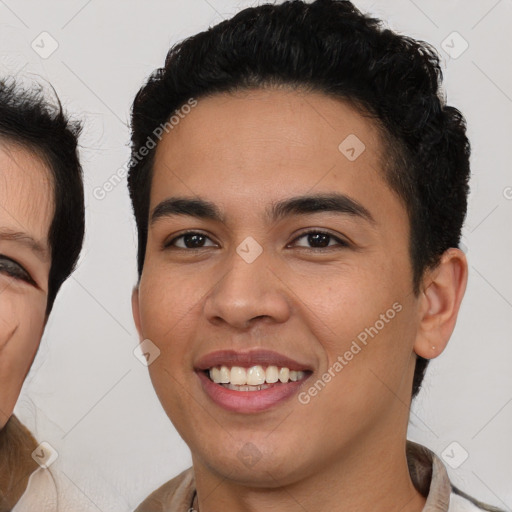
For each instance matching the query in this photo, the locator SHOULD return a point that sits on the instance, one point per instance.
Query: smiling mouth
(254, 378)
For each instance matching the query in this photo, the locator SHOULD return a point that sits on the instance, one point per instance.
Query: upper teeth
(253, 376)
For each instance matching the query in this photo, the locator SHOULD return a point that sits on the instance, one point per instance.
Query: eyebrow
(300, 205)
(23, 239)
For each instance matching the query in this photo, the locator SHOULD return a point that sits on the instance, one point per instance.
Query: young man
(299, 188)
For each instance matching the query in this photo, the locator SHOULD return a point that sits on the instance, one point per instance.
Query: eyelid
(169, 242)
(342, 241)
(25, 275)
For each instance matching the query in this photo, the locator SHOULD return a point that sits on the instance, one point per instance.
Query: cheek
(168, 299)
(21, 327)
(168, 305)
(340, 303)
(364, 321)
(372, 367)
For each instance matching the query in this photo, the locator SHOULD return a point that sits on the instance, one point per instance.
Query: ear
(136, 311)
(440, 298)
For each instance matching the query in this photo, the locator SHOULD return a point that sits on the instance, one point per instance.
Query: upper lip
(247, 359)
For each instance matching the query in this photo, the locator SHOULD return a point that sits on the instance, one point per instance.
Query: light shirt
(50, 490)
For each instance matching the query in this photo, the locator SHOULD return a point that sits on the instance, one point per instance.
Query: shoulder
(51, 490)
(431, 479)
(176, 494)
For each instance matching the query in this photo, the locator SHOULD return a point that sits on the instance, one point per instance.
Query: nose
(249, 293)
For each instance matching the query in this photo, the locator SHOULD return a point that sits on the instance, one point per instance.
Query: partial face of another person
(309, 254)
(26, 211)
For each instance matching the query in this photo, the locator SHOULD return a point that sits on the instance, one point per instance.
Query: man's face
(323, 288)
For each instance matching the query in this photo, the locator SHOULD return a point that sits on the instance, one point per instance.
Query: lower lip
(248, 401)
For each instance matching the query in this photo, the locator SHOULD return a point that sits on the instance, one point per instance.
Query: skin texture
(345, 449)
(25, 189)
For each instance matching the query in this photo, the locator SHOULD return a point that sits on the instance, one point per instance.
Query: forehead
(26, 194)
(269, 143)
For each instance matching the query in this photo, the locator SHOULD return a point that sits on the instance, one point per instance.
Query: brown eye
(320, 240)
(190, 240)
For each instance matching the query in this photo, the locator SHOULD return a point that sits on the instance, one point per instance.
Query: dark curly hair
(30, 120)
(328, 46)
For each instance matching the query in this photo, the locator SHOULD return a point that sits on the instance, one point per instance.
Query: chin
(253, 463)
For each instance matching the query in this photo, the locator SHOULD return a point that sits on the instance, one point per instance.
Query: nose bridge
(248, 289)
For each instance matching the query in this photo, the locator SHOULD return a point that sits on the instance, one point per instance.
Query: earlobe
(136, 311)
(440, 303)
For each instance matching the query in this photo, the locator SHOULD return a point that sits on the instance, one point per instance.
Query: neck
(375, 476)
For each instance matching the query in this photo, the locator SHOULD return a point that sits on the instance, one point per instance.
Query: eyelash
(341, 243)
(14, 270)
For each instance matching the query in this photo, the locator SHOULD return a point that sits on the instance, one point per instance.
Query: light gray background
(92, 400)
